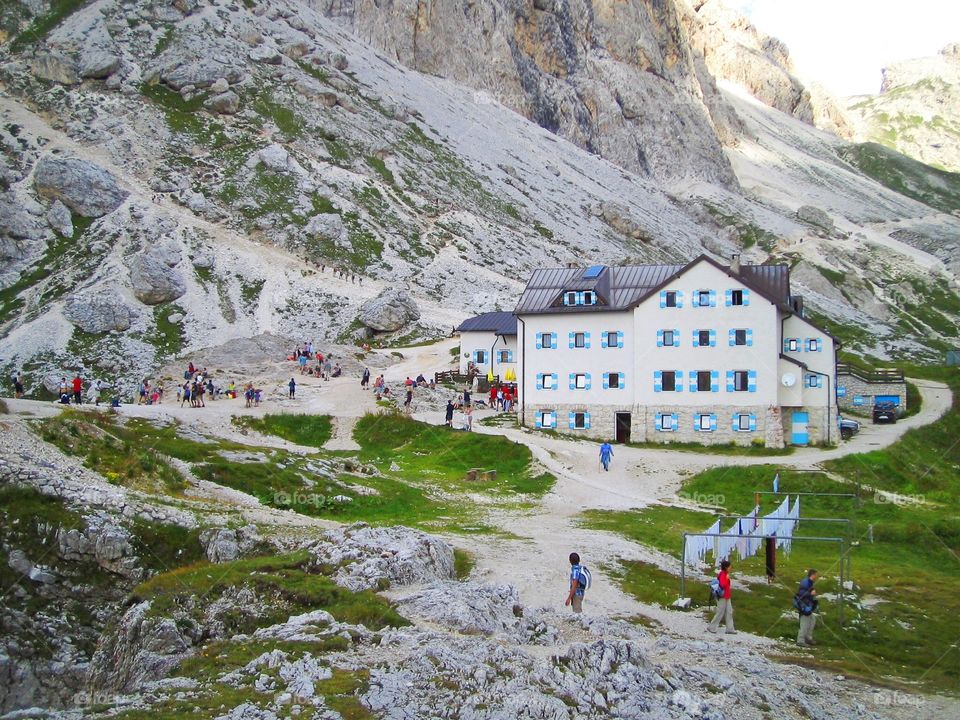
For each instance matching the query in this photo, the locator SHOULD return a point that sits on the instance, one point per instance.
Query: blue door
(799, 435)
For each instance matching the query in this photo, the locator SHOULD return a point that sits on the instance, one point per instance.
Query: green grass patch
(463, 563)
(381, 169)
(289, 580)
(167, 336)
(835, 277)
(937, 188)
(285, 118)
(41, 26)
(309, 430)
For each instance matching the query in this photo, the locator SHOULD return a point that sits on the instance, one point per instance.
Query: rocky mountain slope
(177, 175)
(917, 111)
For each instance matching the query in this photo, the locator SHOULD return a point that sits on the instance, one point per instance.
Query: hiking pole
(683, 567)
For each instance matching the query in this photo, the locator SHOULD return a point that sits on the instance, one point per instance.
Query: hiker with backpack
(805, 602)
(580, 581)
(606, 453)
(720, 588)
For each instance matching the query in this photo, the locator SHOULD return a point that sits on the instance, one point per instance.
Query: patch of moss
(41, 26)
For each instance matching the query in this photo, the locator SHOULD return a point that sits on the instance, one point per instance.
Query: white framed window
(546, 341)
(570, 298)
(703, 381)
(703, 422)
(505, 356)
(613, 339)
(736, 297)
(549, 382)
(580, 420)
(703, 338)
(670, 298)
(579, 340)
(589, 298)
(702, 298)
(739, 337)
(665, 422)
(814, 345)
(480, 357)
(668, 380)
(741, 380)
(580, 381)
(743, 422)
(547, 419)
(613, 380)
(668, 338)
(792, 344)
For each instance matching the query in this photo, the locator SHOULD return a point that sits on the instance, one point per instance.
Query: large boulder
(815, 216)
(60, 219)
(200, 73)
(226, 103)
(56, 68)
(87, 189)
(328, 226)
(390, 310)
(98, 64)
(99, 311)
(370, 558)
(153, 276)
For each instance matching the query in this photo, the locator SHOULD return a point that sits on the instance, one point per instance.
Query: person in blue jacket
(805, 601)
(606, 453)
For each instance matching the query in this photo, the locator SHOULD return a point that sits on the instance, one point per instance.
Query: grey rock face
(619, 218)
(60, 219)
(226, 103)
(390, 310)
(815, 216)
(367, 557)
(220, 545)
(328, 226)
(99, 311)
(16, 224)
(181, 71)
(153, 277)
(85, 188)
(56, 68)
(98, 64)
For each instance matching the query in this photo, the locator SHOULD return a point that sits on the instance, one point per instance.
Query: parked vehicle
(848, 428)
(884, 412)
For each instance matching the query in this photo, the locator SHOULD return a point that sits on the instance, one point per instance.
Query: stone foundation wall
(857, 387)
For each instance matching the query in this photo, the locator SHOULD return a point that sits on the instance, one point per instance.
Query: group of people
(67, 391)
(324, 366)
(342, 274)
(150, 394)
(502, 397)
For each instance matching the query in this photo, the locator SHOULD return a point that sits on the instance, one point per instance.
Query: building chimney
(735, 263)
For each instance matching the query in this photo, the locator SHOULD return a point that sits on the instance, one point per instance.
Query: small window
(813, 345)
(704, 422)
(546, 418)
(548, 381)
(613, 340)
(740, 380)
(793, 344)
(668, 380)
(668, 338)
(579, 340)
(580, 381)
(545, 340)
(666, 422)
(703, 338)
(739, 337)
(703, 381)
(589, 298)
(613, 380)
(481, 357)
(743, 422)
(570, 298)
(703, 298)
(736, 297)
(671, 299)
(580, 420)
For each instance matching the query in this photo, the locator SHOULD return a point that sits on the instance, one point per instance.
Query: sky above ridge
(844, 44)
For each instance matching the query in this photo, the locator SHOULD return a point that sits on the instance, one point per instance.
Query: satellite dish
(789, 379)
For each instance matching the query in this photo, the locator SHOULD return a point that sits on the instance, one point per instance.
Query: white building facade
(661, 353)
(489, 342)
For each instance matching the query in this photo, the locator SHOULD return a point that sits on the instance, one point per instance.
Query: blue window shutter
(713, 423)
(663, 298)
(606, 382)
(539, 381)
(749, 337)
(752, 380)
(730, 386)
(587, 387)
(603, 339)
(586, 340)
(659, 338)
(696, 422)
(713, 338)
(676, 337)
(586, 421)
(539, 341)
(623, 380)
(728, 297)
(658, 423)
(510, 356)
(695, 299)
(679, 299)
(619, 338)
(713, 298)
(675, 421)
(573, 381)
(753, 422)
(553, 341)
(735, 423)
(556, 381)
(696, 338)
(571, 421)
(746, 296)
(731, 337)
(553, 419)
(693, 381)
(657, 381)
(679, 383)
(570, 340)
(539, 424)
(714, 381)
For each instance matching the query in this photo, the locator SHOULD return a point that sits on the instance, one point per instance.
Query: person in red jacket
(77, 389)
(724, 604)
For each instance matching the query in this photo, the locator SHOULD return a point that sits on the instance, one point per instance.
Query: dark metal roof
(622, 288)
(499, 323)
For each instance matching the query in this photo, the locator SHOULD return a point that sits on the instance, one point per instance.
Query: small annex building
(699, 352)
(489, 342)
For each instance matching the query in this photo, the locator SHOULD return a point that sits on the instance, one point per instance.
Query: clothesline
(745, 535)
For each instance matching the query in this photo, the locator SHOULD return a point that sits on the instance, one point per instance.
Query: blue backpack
(716, 591)
(584, 577)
